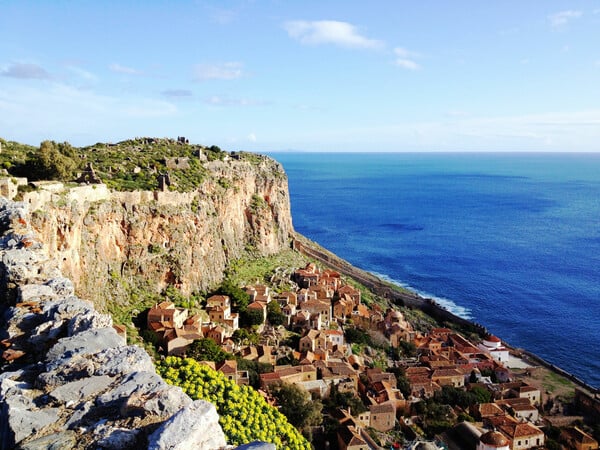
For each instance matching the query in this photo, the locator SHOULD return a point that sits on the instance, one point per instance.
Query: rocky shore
(68, 379)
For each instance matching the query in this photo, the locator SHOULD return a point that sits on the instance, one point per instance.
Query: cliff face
(108, 241)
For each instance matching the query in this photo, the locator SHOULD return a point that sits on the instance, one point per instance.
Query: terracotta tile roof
(383, 408)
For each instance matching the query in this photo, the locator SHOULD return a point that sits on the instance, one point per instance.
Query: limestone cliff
(106, 241)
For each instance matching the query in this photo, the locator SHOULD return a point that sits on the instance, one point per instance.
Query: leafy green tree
(482, 395)
(52, 162)
(356, 336)
(401, 381)
(254, 369)
(455, 397)
(207, 350)
(251, 317)
(243, 336)
(409, 349)
(238, 296)
(295, 404)
(344, 400)
(274, 314)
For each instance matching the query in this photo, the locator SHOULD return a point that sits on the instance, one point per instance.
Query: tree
(52, 162)
(295, 403)
(207, 350)
(238, 296)
(481, 394)
(243, 336)
(274, 314)
(356, 336)
(402, 382)
(250, 317)
(345, 400)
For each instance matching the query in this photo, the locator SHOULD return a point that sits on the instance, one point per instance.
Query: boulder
(195, 427)
(55, 441)
(82, 344)
(115, 360)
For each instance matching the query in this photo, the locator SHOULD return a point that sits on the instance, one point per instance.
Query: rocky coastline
(405, 297)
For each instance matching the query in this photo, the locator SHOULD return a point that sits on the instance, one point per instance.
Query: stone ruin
(88, 176)
(164, 181)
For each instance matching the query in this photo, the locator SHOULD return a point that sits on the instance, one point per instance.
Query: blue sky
(311, 75)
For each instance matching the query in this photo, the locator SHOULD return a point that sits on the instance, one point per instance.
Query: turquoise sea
(511, 241)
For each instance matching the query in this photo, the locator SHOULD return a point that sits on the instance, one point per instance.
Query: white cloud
(252, 137)
(329, 32)
(82, 73)
(26, 71)
(124, 69)
(562, 18)
(406, 59)
(223, 71)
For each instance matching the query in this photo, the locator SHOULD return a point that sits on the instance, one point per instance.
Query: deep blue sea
(511, 241)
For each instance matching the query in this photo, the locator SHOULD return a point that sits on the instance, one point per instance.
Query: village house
(219, 311)
(216, 333)
(351, 292)
(493, 346)
(176, 340)
(521, 435)
(259, 293)
(304, 295)
(308, 276)
(301, 320)
(229, 368)
(361, 317)
(318, 307)
(322, 293)
(342, 309)
(167, 315)
(173, 328)
(316, 388)
(382, 417)
(448, 377)
(286, 298)
(577, 439)
(521, 408)
(349, 439)
(481, 411)
(289, 310)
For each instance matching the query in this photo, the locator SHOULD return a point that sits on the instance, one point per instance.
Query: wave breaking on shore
(445, 303)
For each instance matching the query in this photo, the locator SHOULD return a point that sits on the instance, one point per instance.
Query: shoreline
(402, 296)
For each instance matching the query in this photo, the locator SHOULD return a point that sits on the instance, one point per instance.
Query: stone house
(343, 308)
(167, 315)
(382, 417)
(176, 340)
(351, 292)
(448, 377)
(577, 439)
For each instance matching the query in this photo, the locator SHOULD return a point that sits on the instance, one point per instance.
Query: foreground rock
(67, 378)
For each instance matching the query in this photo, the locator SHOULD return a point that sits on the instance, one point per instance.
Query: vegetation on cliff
(245, 416)
(129, 165)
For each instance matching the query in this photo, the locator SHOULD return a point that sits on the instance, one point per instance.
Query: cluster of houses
(319, 308)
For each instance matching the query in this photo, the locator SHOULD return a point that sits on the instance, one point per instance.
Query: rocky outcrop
(105, 241)
(67, 378)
